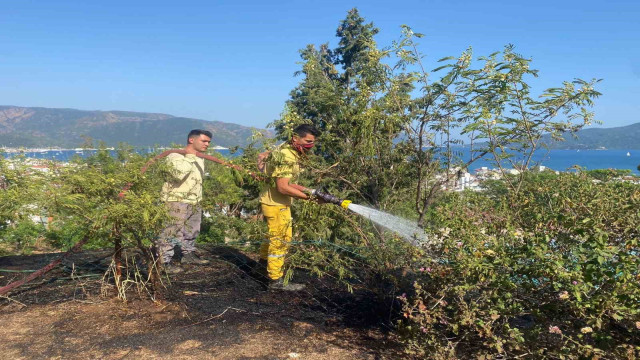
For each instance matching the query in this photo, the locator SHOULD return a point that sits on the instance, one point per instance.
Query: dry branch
(5, 289)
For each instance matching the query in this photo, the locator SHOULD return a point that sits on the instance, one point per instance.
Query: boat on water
(628, 153)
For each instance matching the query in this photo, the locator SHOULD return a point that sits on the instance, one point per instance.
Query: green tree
(491, 104)
(399, 126)
(22, 190)
(391, 131)
(512, 121)
(356, 109)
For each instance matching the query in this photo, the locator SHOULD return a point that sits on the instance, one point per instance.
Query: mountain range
(622, 137)
(33, 127)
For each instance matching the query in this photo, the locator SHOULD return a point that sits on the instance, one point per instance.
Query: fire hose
(331, 199)
(326, 197)
(214, 159)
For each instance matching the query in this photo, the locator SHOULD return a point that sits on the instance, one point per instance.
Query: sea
(560, 160)
(567, 160)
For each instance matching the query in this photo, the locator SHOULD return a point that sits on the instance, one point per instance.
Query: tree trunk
(153, 268)
(117, 259)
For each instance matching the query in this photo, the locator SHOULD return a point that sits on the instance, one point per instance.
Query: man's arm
(294, 190)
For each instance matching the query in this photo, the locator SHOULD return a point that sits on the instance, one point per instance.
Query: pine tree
(348, 93)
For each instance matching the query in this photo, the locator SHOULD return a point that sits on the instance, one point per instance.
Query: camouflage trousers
(181, 231)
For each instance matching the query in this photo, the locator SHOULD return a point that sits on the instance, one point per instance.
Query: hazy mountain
(623, 137)
(68, 128)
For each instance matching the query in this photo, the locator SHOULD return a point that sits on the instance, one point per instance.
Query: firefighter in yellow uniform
(283, 167)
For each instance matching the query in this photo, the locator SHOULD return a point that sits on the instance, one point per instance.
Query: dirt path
(216, 311)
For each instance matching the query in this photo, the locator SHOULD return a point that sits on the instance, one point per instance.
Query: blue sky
(234, 61)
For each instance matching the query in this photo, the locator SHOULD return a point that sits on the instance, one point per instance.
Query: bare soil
(215, 311)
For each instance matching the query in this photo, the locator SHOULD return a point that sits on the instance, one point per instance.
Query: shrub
(555, 275)
(23, 237)
(607, 174)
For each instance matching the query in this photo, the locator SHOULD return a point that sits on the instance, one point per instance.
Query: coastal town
(457, 180)
(78, 150)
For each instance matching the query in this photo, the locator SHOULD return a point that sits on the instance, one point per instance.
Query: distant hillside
(623, 137)
(68, 128)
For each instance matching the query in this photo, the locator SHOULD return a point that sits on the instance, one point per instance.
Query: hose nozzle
(328, 198)
(345, 204)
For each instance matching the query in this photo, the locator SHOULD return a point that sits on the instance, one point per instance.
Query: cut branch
(5, 289)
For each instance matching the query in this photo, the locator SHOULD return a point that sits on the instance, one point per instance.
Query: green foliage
(607, 174)
(491, 104)
(537, 265)
(21, 237)
(21, 188)
(500, 261)
(63, 234)
(87, 194)
(82, 198)
(222, 188)
(215, 230)
(357, 112)
(556, 275)
(20, 185)
(390, 127)
(231, 200)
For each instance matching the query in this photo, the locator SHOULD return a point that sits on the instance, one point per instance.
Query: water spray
(406, 229)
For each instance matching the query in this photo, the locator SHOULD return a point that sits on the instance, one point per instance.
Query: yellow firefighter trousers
(280, 231)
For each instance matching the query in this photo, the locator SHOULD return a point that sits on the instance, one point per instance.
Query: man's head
(199, 140)
(304, 137)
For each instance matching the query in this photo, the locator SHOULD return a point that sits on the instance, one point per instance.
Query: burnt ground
(215, 311)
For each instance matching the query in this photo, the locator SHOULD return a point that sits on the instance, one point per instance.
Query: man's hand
(284, 187)
(313, 195)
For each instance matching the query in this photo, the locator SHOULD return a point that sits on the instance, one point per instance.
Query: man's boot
(280, 285)
(193, 259)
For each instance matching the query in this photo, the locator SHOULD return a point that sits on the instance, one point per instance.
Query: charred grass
(219, 311)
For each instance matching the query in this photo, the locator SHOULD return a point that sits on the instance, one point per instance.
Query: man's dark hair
(198, 132)
(304, 129)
